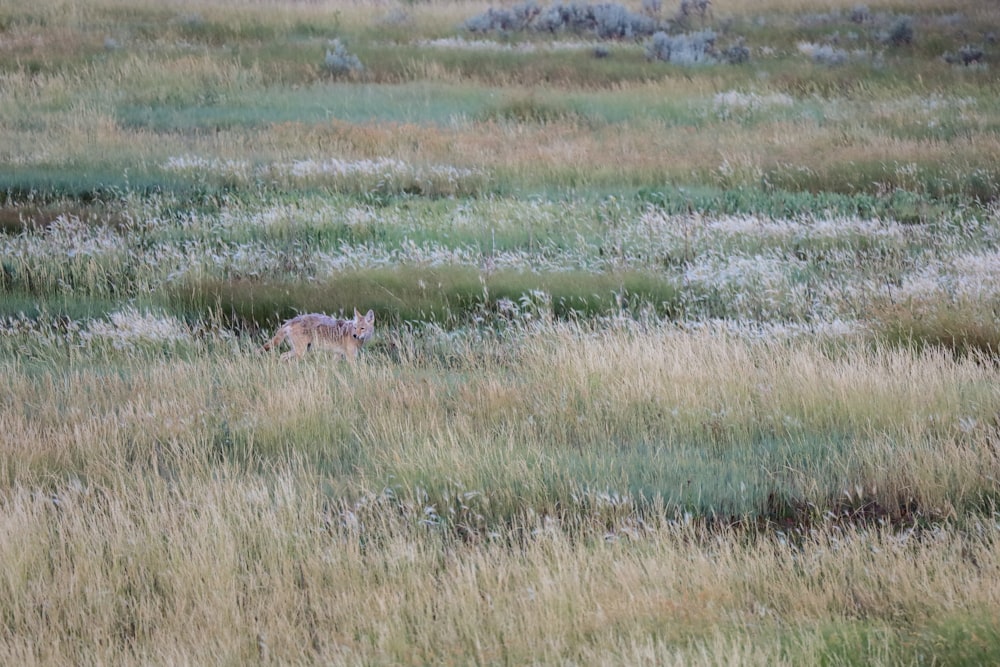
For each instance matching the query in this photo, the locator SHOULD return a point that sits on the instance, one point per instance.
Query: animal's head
(364, 325)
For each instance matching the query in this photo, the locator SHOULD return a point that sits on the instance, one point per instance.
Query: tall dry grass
(232, 509)
(585, 493)
(712, 423)
(242, 570)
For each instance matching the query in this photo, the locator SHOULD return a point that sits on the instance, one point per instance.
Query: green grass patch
(952, 639)
(445, 295)
(94, 183)
(63, 307)
(928, 181)
(965, 326)
(425, 102)
(901, 205)
(421, 103)
(528, 109)
(542, 67)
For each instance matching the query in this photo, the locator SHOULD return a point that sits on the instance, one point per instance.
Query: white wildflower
(127, 327)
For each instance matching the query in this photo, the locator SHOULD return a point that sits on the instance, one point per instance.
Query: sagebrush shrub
(572, 17)
(614, 21)
(685, 49)
(899, 33)
(652, 7)
(860, 14)
(339, 60)
(518, 17)
(605, 20)
(967, 55)
(737, 54)
(690, 8)
(825, 54)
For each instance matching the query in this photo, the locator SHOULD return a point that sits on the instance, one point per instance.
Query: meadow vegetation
(688, 328)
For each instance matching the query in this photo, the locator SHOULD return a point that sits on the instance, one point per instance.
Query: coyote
(315, 330)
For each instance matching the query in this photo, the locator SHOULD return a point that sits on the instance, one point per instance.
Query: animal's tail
(276, 341)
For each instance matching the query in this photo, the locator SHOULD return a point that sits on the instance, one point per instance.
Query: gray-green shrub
(607, 20)
(967, 55)
(691, 8)
(339, 60)
(899, 33)
(518, 17)
(737, 54)
(861, 14)
(694, 48)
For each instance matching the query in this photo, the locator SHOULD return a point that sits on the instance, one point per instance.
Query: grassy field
(688, 327)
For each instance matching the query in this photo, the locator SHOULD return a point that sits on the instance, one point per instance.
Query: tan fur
(318, 331)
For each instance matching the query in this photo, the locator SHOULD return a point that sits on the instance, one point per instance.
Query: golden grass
(236, 569)
(230, 508)
(567, 392)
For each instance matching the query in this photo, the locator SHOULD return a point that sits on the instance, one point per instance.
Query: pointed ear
(357, 315)
(370, 317)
